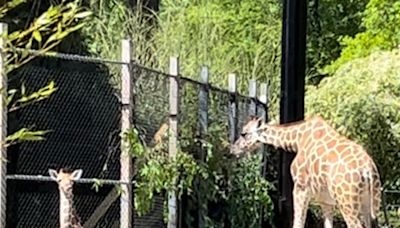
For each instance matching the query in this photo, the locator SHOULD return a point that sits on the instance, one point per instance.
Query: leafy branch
(45, 32)
(27, 99)
(24, 134)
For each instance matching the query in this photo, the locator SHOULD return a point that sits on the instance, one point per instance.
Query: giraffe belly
(323, 197)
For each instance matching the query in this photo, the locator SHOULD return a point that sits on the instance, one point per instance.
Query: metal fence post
(253, 95)
(263, 101)
(173, 134)
(126, 213)
(262, 111)
(3, 122)
(203, 127)
(233, 119)
(233, 108)
(203, 103)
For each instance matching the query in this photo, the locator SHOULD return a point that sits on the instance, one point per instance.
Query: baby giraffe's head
(64, 178)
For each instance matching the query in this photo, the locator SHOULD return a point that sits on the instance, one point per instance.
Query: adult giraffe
(329, 169)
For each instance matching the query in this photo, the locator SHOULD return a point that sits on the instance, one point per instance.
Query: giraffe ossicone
(329, 169)
(65, 180)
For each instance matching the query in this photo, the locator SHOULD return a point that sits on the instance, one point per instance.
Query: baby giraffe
(65, 180)
(328, 169)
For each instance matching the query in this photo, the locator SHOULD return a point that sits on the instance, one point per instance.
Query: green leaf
(83, 14)
(24, 134)
(11, 94)
(37, 36)
(23, 90)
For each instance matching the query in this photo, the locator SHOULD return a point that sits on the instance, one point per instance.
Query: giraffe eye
(243, 134)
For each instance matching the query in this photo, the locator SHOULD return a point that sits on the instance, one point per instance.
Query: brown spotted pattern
(329, 169)
(65, 180)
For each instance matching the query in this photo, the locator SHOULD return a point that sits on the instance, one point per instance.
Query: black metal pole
(292, 93)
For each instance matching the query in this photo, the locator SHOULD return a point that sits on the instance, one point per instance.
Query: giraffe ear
(251, 117)
(76, 174)
(260, 121)
(53, 174)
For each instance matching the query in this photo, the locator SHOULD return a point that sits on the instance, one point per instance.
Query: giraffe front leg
(301, 199)
(327, 212)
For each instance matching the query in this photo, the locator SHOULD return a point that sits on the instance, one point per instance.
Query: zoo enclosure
(85, 117)
(82, 135)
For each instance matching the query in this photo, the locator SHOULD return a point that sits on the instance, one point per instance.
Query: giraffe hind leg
(351, 210)
(352, 220)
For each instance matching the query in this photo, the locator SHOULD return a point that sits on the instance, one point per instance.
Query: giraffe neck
(66, 209)
(283, 136)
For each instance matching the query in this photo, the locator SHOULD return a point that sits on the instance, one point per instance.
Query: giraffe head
(249, 139)
(65, 179)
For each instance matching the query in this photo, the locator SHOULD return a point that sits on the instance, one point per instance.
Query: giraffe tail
(368, 200)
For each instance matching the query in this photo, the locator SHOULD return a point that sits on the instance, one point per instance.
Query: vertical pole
(292, 92)
(233, 108)
(253, 95)
(3, 122)
(263, 112)
(126, 213)
(203, 101)
(263, 101)
(203, 126)
(173, 134)
(233, 120)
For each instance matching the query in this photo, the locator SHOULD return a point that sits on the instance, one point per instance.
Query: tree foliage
(114, 21)
(240, 37)
(228, 36)
(381, 23)
(328, 22)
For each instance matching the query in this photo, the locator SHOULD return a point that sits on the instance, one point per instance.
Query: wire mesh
(83, 119)
(188, 116)
(151, 101)
(151, 111)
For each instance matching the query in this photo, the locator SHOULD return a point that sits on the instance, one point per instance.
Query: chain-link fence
(202, 110)
(83, 118)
